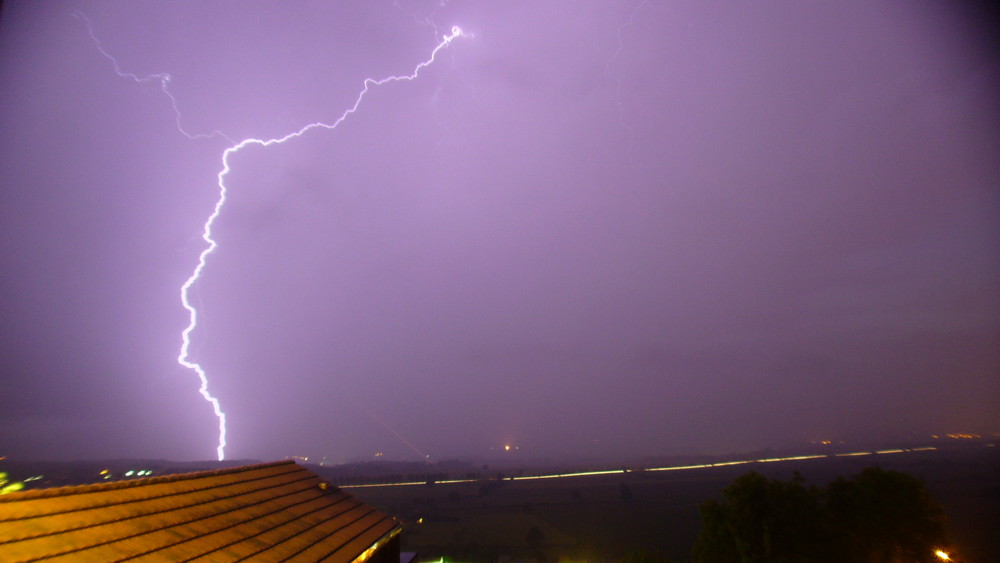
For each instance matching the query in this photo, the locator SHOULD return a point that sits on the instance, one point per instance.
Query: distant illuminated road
(651, 469)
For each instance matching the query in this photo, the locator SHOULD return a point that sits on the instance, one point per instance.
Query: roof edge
(379, 543)
(115, 485)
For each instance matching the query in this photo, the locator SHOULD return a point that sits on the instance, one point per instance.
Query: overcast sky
(587, 229)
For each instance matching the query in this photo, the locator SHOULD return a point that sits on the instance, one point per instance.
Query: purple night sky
(589, 229)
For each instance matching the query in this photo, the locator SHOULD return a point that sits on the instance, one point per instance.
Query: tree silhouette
(766, 520)
(887, 516)
(876, 516)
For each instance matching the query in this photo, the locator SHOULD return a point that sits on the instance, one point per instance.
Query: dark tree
(766, 520)
(716, 542)
(887, 516)
(876, 516)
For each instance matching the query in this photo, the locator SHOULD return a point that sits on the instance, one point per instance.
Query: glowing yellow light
(105, 472)
(6, 487)
(506, 447)
(648, 469)
(420, 520)
(942, 555)
(366, 554)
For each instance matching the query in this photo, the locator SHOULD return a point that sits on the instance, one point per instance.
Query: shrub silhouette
(875, 516)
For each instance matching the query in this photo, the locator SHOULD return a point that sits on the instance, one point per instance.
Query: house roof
(271, 512)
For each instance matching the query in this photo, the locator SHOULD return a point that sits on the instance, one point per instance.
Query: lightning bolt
(163, 78)
(183, 357)
(618, 81)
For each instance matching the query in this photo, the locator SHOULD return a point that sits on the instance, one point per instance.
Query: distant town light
(942, 555)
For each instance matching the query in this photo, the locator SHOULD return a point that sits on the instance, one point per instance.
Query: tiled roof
(271, 512)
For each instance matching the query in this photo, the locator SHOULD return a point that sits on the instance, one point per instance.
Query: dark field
(612, 516)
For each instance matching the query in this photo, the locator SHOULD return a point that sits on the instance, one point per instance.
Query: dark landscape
(501, 509)
(609, 517)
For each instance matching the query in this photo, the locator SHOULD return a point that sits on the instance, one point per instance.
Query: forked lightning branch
(163, 79)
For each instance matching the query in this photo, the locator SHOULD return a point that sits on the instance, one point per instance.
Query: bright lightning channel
(183, 357)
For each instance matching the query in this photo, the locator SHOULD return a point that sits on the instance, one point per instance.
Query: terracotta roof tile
(271, 512)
